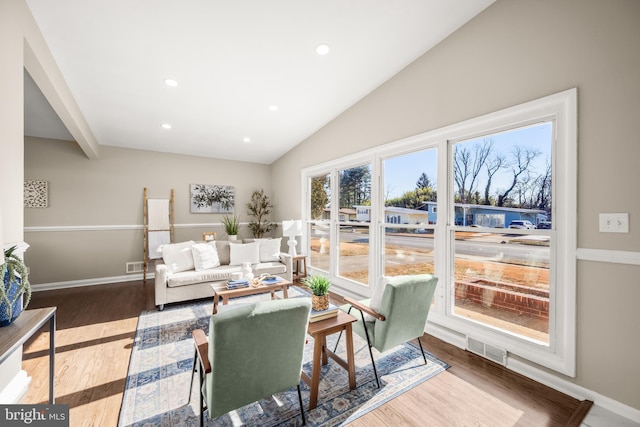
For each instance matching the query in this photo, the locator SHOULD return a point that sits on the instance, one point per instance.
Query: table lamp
(291, 229)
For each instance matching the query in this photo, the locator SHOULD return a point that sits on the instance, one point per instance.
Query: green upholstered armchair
(401, 316)
(253, 351)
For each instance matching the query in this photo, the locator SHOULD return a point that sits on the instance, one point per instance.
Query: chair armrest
(365, 309)
(202, 348)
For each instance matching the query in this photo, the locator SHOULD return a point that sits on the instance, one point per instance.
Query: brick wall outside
(516, 299)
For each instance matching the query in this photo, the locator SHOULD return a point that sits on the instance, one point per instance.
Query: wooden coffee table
(319, 331)
(225, 294)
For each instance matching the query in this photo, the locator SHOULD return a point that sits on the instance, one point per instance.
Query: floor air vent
(135, 267)
(495, 354)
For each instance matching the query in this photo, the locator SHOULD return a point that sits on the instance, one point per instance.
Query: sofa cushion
(185, 278)
(223, 247)
(205, 256)
(244, 252)
(269, 249)
(178, 257)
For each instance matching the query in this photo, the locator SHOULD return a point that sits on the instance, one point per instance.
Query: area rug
(157, 386)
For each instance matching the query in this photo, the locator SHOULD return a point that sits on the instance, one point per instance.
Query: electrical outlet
(614, 222)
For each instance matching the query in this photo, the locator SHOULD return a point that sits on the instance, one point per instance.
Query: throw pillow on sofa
(244, 252)
(178, 256)
(269, 249)
(205, 256)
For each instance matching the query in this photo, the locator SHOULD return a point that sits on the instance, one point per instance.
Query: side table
(319, 331)
(299, 267)
(23, 328)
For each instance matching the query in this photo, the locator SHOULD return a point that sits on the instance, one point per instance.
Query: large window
(504, 180)
(488, 205)
(354, 188)
(409, 230)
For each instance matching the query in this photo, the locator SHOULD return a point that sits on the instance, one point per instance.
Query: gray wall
(93, 224)
(513, 52)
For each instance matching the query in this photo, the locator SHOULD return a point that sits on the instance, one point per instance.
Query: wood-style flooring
(96, 328)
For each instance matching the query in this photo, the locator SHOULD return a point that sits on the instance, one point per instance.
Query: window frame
(560, 108)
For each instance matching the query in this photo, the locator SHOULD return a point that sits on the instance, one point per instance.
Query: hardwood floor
(96, 328)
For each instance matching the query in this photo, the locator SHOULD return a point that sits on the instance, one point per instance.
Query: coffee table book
(317, 315)
(237, 284)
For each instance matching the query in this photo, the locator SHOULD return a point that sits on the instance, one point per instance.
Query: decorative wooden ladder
(158, 227)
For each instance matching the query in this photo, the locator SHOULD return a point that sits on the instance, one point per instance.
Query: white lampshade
(292, 228)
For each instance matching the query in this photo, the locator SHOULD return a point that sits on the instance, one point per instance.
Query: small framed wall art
(36, 193)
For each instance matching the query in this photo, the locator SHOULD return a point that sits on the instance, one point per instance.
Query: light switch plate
(614, 222)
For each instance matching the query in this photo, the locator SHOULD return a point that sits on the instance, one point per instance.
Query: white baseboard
(16, 388)
(90, 282)
(446, 335)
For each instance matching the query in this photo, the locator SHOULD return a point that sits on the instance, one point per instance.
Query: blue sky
(401, 173)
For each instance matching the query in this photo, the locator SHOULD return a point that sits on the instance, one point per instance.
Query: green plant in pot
(319, 286)
(15, 292)
(231, 224)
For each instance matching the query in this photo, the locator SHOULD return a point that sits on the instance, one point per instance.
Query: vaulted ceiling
(250, 84)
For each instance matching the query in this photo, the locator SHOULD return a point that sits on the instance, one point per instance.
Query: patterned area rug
(157, 386)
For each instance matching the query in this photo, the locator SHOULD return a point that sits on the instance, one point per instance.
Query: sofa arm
(161, 284)
(287, 260)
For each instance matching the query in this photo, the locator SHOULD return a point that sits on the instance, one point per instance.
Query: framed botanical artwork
(212, 198)
(36, 193)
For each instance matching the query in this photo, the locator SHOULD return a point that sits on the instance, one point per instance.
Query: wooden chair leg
(304, 421)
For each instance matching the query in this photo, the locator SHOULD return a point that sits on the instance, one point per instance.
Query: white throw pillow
(178, 257)
(205, 256)
(270, 249)
(244, 252)
(376, 298)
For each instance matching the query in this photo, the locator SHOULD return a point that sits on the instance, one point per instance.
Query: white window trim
(560, 354)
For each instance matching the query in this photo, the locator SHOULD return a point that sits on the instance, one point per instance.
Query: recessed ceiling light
(166, 126)
(322, 49)
(273, 108)
(171, 82)
(246, 140)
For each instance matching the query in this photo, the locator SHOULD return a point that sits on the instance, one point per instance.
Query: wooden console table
(23, 328)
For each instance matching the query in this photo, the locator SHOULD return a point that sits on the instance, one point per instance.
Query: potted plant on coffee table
(15, 292)
(319, 286)
(231, 224)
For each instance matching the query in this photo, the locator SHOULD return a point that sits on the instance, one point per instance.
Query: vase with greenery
(319, 286)
(231, 224)
(260, 207)
(15, 292)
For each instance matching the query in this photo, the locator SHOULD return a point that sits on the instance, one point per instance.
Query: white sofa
(188, 269)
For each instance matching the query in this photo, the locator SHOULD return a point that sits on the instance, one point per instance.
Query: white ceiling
(232, 59)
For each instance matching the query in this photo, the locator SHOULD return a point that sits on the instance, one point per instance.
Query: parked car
(544, 225)
(522, 224)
